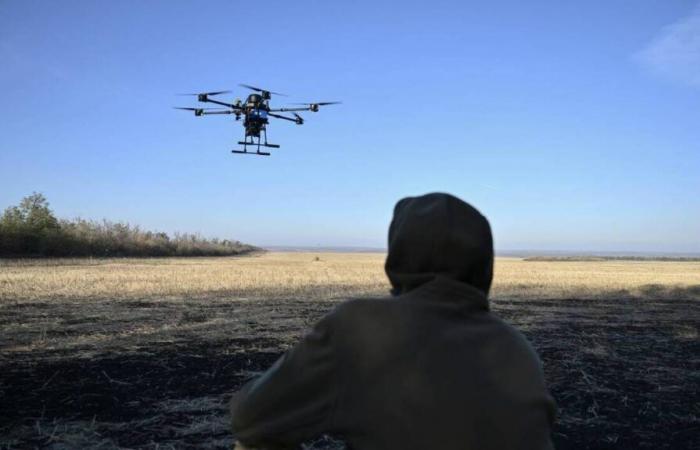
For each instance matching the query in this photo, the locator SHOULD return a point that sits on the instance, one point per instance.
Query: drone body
(256, 112)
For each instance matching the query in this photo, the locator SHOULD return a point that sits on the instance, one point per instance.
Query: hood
(438, 235)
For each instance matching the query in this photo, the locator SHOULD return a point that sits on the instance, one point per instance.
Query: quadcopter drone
(255, 111)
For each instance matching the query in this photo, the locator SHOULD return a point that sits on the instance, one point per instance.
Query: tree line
(31, 229)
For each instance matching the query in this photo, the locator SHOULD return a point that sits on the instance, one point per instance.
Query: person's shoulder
(514, 339)
(361, 305)
(505, 328)
(359, 309)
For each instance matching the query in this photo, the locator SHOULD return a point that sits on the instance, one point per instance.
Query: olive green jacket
(429, 368)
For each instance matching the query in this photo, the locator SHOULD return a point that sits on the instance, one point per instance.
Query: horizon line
(498, 252)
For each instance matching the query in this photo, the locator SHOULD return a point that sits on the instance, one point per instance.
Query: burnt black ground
(625, 374)
(118, 388)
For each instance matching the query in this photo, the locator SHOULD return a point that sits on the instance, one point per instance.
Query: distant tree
(32, 214)
(11, 219)
(30, 228)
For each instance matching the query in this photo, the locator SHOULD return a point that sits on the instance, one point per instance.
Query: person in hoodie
(429, 367)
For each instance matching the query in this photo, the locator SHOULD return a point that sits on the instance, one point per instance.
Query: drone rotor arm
(217, 102)
(207, 113)
(202, 111)
(291, 109)
(316, 105)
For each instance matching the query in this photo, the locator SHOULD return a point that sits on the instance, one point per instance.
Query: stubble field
(144, 353)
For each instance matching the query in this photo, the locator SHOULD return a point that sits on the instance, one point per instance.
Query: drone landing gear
(245, 152)
(256, 144)
(245, 143)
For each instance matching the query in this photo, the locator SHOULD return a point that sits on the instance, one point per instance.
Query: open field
(145, 352)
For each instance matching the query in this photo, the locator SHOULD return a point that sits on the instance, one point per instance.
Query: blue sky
(570, 125)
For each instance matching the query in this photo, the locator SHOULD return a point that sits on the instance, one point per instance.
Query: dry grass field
(144, 353)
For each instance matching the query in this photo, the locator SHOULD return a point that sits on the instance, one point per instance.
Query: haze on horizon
(570, 126)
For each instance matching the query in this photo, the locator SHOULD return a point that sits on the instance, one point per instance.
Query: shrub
(31, 229)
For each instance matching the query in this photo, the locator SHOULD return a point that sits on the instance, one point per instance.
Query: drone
(255, 112)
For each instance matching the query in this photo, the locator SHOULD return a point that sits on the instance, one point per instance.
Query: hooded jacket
(430, 367)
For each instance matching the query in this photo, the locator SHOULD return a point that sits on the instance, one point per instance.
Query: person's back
(437, 370)
(430, 367)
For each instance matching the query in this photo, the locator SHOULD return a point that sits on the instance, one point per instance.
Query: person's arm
(294, 400)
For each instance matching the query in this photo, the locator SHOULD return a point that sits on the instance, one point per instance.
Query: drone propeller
(314, 106)
(253, 88)
(318, 103)
(208, 93)
(200, 109)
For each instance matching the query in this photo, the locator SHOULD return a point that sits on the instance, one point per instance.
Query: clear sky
(570, 125)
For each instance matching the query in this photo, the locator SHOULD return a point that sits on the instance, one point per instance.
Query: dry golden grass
(144, 353)
(516, 278)
(323, 275)
(104, 303)
(265, 275)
